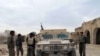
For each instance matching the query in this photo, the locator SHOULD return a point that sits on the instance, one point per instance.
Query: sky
(25, 16)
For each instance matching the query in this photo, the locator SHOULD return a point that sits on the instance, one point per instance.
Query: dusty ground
(5, 46)
(92, 50)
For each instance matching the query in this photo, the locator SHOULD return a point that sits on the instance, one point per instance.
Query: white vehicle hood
(54, 41)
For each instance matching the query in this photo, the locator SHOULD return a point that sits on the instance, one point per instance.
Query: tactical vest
(30, 41)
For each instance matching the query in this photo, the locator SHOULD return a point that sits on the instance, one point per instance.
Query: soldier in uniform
(19, 45)
(82, 45)
(11, 43)
(31, 44)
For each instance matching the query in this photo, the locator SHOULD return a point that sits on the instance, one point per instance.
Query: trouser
(82, 48)
(72, 52)
(19, 49)
(30, 51)
(39, 53)
(11, 51)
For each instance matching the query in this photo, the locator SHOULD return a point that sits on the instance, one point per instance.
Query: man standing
(11, 43)
(19, 45)
(31, 44)
(82, 45)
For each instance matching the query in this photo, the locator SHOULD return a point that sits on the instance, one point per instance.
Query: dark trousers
(19, 49)
(82, 49)
(72, 52)
(30, 51)
(11, 51)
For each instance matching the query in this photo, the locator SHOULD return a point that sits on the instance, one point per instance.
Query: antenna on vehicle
(42, 27)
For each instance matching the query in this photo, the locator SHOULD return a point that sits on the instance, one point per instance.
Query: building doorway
(88, 36)
(98, 36)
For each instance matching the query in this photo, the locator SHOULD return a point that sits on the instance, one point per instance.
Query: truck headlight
(39, 46)
(70, 46)
(65, 47)
(46, 47)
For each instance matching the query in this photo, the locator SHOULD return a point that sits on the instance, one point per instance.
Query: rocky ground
(92, 50)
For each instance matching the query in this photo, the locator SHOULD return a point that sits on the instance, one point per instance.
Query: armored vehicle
(55, 43)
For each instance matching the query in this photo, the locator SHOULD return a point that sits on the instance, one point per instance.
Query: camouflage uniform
(11, 46)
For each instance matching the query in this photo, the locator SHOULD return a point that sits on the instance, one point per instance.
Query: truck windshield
(47, 36)
(62, 36)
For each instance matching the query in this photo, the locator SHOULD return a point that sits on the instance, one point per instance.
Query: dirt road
(91, 50)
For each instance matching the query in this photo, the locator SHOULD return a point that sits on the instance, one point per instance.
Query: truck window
(47, 36)
(62, 36)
